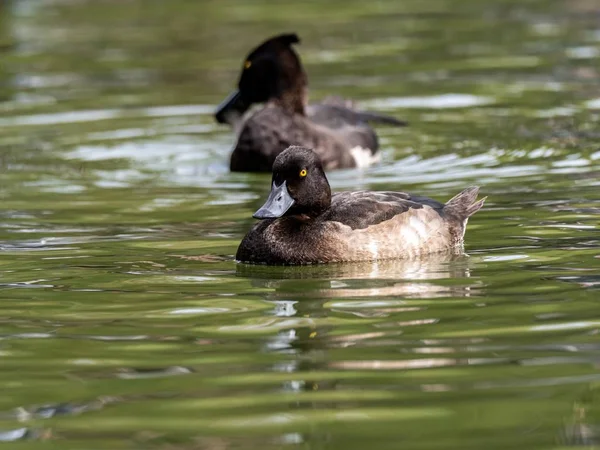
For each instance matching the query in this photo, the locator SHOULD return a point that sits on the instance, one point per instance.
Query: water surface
(125, 322)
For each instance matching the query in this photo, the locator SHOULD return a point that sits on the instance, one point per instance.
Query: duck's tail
(374, 117)
(351, 108)
(465, 204)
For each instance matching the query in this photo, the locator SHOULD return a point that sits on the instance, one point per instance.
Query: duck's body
(271, 129)
(273, 74)
(350, 226)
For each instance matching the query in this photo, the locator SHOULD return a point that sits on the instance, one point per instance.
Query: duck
(302, 222)
(273, 75)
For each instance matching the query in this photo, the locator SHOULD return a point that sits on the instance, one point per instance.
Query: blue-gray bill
(277, 204)
(232, 105)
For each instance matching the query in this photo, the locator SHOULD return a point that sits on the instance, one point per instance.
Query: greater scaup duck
(273, 74)
(303, 223)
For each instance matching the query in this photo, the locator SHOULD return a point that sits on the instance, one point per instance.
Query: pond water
(125, 322)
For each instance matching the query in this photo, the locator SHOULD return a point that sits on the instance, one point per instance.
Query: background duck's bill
(277, 204)
(230, 108)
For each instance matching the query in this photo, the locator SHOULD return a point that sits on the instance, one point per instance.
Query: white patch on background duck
(363, 157)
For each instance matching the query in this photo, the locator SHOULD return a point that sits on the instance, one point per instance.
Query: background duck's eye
(247, 64)
(303, 173)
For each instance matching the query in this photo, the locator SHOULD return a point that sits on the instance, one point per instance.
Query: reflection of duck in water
(273, 75)
(303, 223)
(410, 278)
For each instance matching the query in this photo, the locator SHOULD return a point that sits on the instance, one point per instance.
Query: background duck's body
(268, 131)
(273, 74)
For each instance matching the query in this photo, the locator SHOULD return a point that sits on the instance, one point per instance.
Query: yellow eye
(303, 173)
(247, 64)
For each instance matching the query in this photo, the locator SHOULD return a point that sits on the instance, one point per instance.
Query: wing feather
(362, 209)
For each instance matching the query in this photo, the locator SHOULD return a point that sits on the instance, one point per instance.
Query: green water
(125, 323)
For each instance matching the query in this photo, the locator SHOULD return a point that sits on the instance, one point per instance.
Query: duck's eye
(247, 64)
(303, 173)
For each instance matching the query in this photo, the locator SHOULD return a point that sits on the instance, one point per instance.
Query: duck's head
(271, 71)
(299, 186)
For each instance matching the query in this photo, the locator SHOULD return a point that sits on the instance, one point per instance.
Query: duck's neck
(307, 216)
(294, 100)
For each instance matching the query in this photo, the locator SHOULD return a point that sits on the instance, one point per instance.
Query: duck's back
(362, 209)
(336, 112)
(271, 129)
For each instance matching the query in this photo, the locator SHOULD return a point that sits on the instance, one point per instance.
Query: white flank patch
(363, 156)
(418, 226)
(373, 248)
(411, 237)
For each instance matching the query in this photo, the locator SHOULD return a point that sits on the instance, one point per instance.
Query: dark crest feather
(275, 43)
(288, 38)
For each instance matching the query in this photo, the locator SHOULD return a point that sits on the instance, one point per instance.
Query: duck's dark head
(299, 186)
(272, 71)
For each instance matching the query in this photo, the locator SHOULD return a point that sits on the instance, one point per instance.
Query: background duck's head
(299, 186)
(272, 71)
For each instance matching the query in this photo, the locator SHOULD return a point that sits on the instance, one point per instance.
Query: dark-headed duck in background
(273, 74)
(303, 223)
